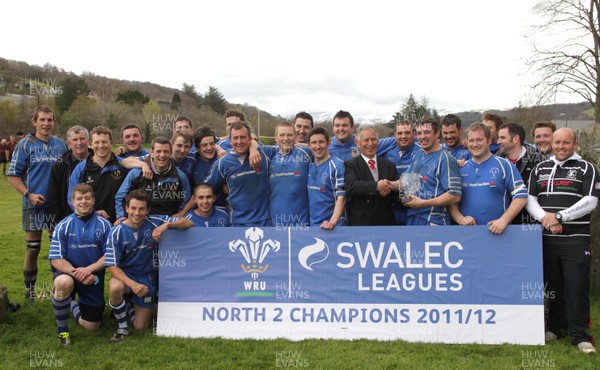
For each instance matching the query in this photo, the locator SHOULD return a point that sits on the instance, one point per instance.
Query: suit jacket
(365, 206)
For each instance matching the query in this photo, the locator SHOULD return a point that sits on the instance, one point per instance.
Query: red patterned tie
(372, 165)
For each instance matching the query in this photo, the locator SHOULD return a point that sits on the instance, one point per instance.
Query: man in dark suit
(370, 197)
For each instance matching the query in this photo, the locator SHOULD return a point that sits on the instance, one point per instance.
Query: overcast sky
(285, 56)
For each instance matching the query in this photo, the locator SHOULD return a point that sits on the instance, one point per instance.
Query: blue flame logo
(313, 252)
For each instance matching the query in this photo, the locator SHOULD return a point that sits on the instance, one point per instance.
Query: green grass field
(28, 339)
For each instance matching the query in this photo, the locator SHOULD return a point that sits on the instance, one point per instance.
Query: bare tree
(570, 62)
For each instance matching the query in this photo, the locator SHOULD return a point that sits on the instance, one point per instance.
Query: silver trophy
(410, 184)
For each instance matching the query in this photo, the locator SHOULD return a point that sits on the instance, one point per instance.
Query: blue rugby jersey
(325, 184)
(460, 152)
(248, 187)
(488, 188)
(225, 145)
(218, 218)
(186, 166)
(439, 174)
(202, 169)
(79, 242)
(200, 174)
(32, 161)
(388, 149)
(142, 154)
(343, 151)
(494, 147)
(133, 250)
(288, 178)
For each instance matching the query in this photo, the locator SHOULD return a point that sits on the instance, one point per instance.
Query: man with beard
(452, 133)
(511, 138)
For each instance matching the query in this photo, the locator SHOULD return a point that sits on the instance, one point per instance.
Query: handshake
(384, 187)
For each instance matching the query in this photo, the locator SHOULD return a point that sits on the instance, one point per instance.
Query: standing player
(563, 191)
(288, 176)
(132, 139)
(231, 116)
(248, 186)
(303, 123)
(3, 155)
(59, 200)
(184, 124)
(493, 122)
(401, 150)
(28, 173)
(493, 192)
(182, 144)
(440, 178)
(77, 256)
(452, 133)
(542, 136)
(511, 138)
(206, 214)
(168, 188)
(102, 171)
(130, 250)
(343, 144)
(326, 192)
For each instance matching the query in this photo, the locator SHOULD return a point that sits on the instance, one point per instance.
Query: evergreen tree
(215, 100)
(72, 87)
(175, 101)
(132, 97)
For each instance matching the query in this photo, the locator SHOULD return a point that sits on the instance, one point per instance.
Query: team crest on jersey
(494, 171)
(355, 152)
(89, 180)
(597, 186)
(254, 250)
(116, 174)
(572, 174)
(148, 238)
(99, 235)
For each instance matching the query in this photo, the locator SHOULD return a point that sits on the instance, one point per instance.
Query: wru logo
(253, 251)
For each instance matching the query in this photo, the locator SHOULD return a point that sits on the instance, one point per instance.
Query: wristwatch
(559, 217)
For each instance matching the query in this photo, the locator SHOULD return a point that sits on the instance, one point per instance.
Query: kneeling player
(129, 254)
(77, 255)
(207, 215)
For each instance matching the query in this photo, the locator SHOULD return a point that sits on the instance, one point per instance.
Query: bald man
(563, 191)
